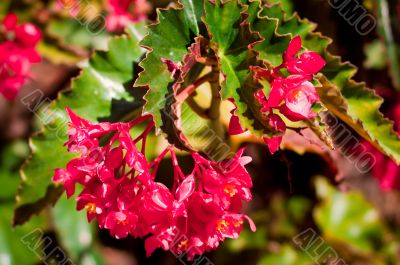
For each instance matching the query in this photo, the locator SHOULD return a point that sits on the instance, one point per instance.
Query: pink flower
(234, 124)
(156, 207)
(186, 188)
(293, 96)
(308, 63)
(83, 135)
(161, 240)
(299, 102)
(120, 223)
(205, 226)
(28, 35)
(122, 12)
(96, 198)
(231, 179)
(65, 178)
(120, 191)
(274, 142)
(10, 22)
(206, 211)
(17, 53)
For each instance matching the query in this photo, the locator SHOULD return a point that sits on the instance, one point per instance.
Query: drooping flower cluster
(17, 53)
(122, 12)
(292, 94)
(121, 193)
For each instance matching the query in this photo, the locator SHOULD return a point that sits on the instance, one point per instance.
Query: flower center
(91, 207)
(122, 221)
(297, 95)
(222, 225)
(230, 189)
(183, 245)
(237, 223)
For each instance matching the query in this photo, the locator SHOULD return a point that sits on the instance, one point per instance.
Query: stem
(140, 120)
(144, 134)
(284, 159)
(214, 111)
(175, 164)
(386, 30)
(313, 124)
(187, 91)
(202, 112)
(159, 158)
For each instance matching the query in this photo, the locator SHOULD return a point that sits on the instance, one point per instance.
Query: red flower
(120, 192)
(234, 124)
(299, 101)
(120, 223)
(206, 208)
(274, 142)
(17, 53)
(308, 63)
(123, 12)
(28, 35)
(293, 96)
(95, 198)
(65, 178)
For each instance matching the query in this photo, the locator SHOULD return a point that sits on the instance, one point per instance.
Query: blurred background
(316, 205)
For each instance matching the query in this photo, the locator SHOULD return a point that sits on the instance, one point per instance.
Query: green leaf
(231, 39)
(106, 77)
(352, 102)
(347, 218)
(358, 107)
(73, 230)
(287, 5)
(194, 10)
(277, 31)
(92, 257)
(70, 32)
(169, 39)
(173, 115)
(286, 255)
(248, 240)
(12, 249)
(12, 156)
(375, 53)
(386, 29)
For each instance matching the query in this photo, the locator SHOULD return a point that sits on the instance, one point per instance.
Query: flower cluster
(199, 211)
(17, 53)
(292, 94)
(122, 12)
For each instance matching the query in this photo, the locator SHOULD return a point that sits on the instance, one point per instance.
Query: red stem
(175, 164)
(140, 120)
(144, 134)
(157, 161)
(187, 91)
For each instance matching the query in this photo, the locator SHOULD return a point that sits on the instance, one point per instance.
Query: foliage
(208, 76)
